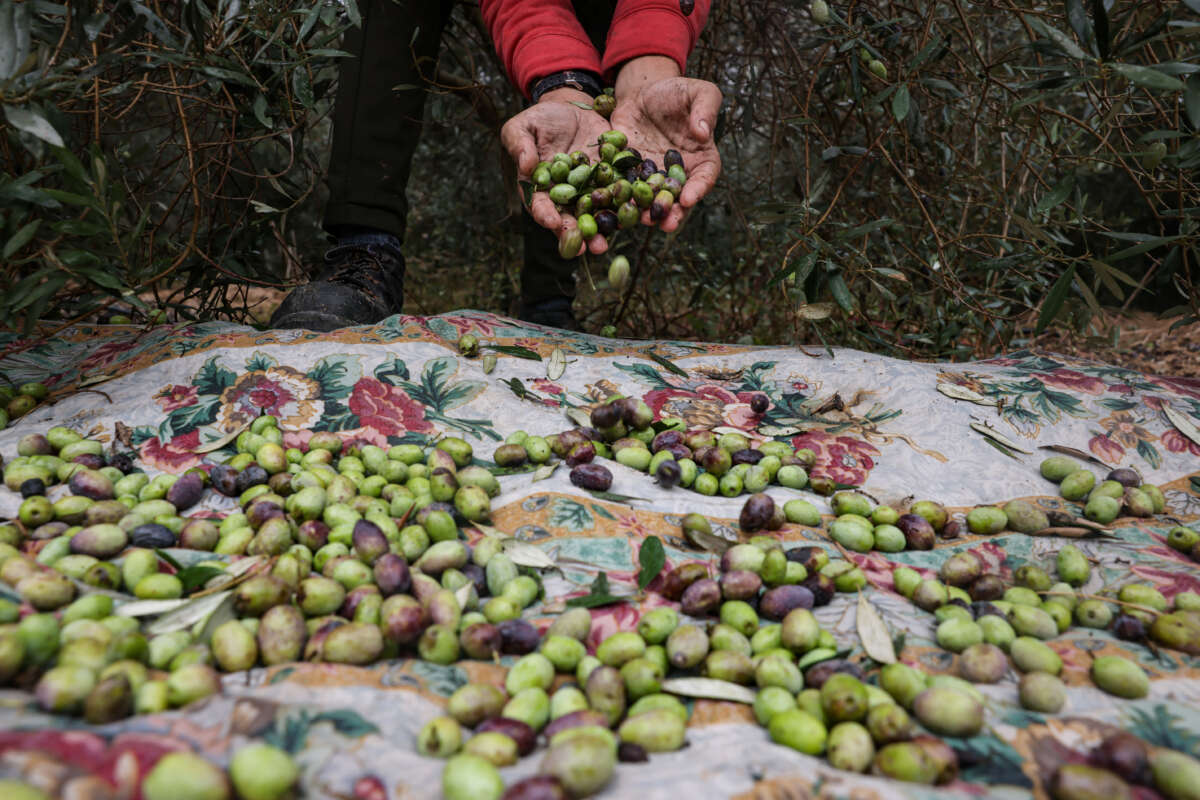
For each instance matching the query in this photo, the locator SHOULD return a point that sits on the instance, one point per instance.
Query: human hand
(554, 125)
(664, 112)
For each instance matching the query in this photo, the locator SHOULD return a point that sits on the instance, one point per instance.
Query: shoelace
(364, 269)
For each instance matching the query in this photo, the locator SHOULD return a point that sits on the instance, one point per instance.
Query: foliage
(1003, 163)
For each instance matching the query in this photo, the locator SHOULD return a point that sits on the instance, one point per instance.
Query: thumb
(517, 139)
(706, 102)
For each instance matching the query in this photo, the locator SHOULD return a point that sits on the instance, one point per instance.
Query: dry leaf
(1072, 451)
(953, 390)
(187, 615)
(217, 444)
(150, 608)
(709, 688)
(579, 417)
(873, 633)
(722, 429)
(557, 365)
(814, 311)
(544, 471)
(709, 542)
(996, 436)
(1182, 424)
(526, 555)
(463, 595)
(488, 530)
(221, 614)
(95, 379)
(779, 430)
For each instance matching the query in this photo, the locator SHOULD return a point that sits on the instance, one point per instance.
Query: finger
(700, 180)
(706, 103)
(544, 213)
(597, 245)
(518, 140)
(673, 219)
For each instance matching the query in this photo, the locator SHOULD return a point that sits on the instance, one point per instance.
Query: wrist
(637, 73)
(565, 94)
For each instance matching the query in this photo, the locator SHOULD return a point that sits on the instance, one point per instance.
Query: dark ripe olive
(594, 477)
(477, 575)
(536, 787)
(674, 187)
(392, 575)
(686, 7)
(680, 451)
(605, 416)
(603, 175)
(668, 474)
(90, 483)
(1128, 627)
(740, 584)
(701, 598)
(918, 533)
(252, 475)
(519, 732)
(121, 461)
(647, 168)
(481, 641)
(152, 535)
(680, 578)
(258, 513)
(631, 753)
(89, 460)
(1126, 477)
(33, 487)
(621, 191)
(715, 460)
(671, 158)
(224, 480)
(628, 214)
(816, 675)
(1124, 754)
(186, 491)
(563, 442)
(986, 587)
(607, 222)
(759, 403)
(582, 453)
(822, 588)
(666, 439)
(369, 541)
(517, 637)
(806, 556)
(601, 198)
(776, 603)
(591, 434)
(982, 608)
(952, 529)
(313, 534)
(661, 205)
(756, 512)
(746, 456)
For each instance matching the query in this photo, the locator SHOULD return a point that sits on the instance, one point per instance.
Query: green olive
(562, 193)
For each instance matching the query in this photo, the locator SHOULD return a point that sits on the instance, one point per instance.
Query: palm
(536, 134)
(661, 117)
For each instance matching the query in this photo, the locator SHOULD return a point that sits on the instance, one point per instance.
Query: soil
(1142, 343)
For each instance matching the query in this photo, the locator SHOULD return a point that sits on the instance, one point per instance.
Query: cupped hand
(675, 114)
(553, 125)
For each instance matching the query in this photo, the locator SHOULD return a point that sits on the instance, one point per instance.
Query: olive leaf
(1182, 424)
(95, 379)
(1011, 454)
(517, 387)
(514, 350)
(616, 498)
(599, 595)
(994, 434)
(186, 615)
(524, 554)
(722, 429)
(217, 444)
(544, 471)
(709, 688)
(956, 392)
(666, 364)
(651, 558)
(579, 417)
(779, 430)
(1072, 451)
(814, 311)
(873, 633)
(463, 595)
(196, 576)
(557, 364)
(223, 613)
(708, 542)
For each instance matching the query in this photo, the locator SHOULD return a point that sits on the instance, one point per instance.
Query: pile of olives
(19, 401)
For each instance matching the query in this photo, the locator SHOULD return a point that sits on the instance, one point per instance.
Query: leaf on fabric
(956, 392)
(599, 595)
(873, 632)
(709, 688)
(514, 350)
(1182, 424)
(995, 435)
(557, 364)
(544, 471)
(524, 554)
(1072, 451)
(579, 417)
(217, 444)
(187, 615)
(651, 559)
(656, 358)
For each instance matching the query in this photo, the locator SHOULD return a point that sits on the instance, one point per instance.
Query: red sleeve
(652, 28)
(535, 39)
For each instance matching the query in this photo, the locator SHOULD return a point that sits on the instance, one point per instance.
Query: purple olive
(668, 474)
(260, 512)
(594, 477)
(517, 637)
(224, 480)
(369, 541)
(1128, 627)
(986, 587)
(740, 584)
(152, 535)
(821, 587)
(519, 732)
(392, 575)
(481, 641)
(918, 533)
(122, 461)
(252, 475)
(89, 460)
(680, 578)
(537, 787)
(759, 403)
(1126, 477)
(186, 491)
(701, 598)
(32, 488)
(666, 439)
(582, 453)
(756, 512)
(952, 529)
(313, 534)
(631, 753)
(746, 456)
(816, 675)
(606, 416)
(777, 602)
(606, 222)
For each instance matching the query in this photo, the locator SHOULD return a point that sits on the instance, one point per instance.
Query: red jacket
(535, 38)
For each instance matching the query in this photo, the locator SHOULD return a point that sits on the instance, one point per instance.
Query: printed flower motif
(177, 395)
(386, 408)
(1189, 387)
(104, 355)
(1072, 381)
(1121, 388)
(1106, 449)
(963, 379)
(546, 386)
(1121, 427)
(472, 324)
(173, 456)
(843, 458)
(1176, 442)
(286, 393)
(358, 437)
(701, 407)
(608, 620)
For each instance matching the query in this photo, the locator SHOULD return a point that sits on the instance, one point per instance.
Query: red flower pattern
(177, 395)
(386, 408)
(1106, 449)
(1176, 442)
(174, 456)
(1072, 381)
(843, 458)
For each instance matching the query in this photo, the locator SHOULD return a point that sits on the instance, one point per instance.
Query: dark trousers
(375, 129)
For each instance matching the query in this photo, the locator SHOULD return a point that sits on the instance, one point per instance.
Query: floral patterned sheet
(874, 422)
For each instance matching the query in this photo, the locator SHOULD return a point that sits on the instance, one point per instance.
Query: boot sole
(314, 321)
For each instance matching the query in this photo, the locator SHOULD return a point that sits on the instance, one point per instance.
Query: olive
(607, 222)
(672, 158)
(593, 477)
(562, 193)
(661, 205)
(604, 105)
(587, 226)
(570, 244)
(647, 168)
(668, 474)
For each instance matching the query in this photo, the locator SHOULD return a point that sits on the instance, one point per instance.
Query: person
(557, 55)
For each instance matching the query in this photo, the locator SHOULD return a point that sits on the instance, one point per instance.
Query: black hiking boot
(554, 312)
(362, 284)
